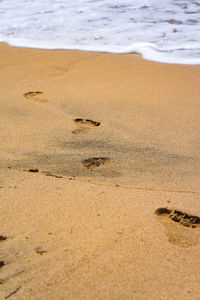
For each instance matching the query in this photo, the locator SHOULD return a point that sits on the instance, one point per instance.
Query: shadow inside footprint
(3, 237)
(95, 162)
(34, 95)
(83, 125)
(2, 264)
(183, 236)
(33, 170)
(40, 251)
(179, 217)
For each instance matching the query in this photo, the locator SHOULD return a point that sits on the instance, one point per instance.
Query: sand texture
(99, 177)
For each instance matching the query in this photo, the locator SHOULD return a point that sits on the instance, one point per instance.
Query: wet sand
(99, 176)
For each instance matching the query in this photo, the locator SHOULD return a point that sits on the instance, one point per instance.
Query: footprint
(56, 71)
(59, 71)
(83, 125)
(95, 162)
(35, 96)
(180, 228)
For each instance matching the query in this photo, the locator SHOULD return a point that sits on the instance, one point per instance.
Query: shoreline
(70, 119)
(143, 53)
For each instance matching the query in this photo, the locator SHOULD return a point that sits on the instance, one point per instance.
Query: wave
(149, 51)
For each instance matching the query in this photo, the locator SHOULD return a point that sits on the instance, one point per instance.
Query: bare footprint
(35, 96)
(83, 125)
(56, 71)
(95, 162)
(180, 228)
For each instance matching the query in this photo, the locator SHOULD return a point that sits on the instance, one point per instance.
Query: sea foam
(167, 31)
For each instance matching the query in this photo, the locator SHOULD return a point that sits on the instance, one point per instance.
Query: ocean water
(166, 31)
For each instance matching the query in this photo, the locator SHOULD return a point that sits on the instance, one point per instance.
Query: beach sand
(99, 177)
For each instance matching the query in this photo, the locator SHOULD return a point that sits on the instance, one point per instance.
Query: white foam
(167, 31)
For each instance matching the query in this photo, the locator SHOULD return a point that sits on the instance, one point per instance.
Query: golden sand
(99, 177)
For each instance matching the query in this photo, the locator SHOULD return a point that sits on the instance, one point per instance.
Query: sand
(99, 177)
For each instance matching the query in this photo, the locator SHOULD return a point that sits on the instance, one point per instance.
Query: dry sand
(99, 177)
